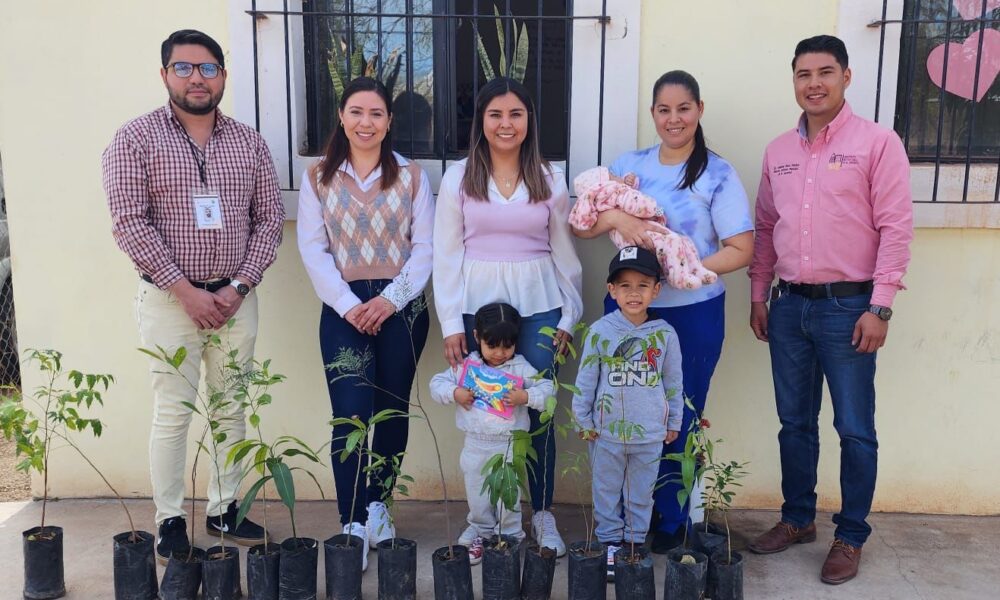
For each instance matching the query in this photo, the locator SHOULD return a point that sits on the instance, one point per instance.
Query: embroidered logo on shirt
(786, 169)
(839, 160)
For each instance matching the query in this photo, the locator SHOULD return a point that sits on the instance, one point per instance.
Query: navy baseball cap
(635, 258)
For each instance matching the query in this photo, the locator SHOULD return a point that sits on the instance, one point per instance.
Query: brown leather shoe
(781, 536)
(841, 563)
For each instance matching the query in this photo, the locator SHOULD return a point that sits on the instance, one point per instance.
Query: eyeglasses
(186, 69)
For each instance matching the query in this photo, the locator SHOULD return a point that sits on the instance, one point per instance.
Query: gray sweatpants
(483, 517)
(624, 474)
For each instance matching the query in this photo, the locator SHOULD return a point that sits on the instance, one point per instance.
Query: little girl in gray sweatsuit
(486, 434)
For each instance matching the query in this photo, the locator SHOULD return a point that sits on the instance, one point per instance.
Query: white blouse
(314, 245)
(462, 285)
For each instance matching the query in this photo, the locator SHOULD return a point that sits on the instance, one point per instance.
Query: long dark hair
(478, 167)
(698, 161)
(497, 324)
(338, 147)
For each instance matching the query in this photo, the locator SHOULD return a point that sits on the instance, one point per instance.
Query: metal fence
(10, 370)
(947, 112)
(449, 29)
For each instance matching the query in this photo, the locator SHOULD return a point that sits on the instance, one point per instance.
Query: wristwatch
(882, 312)
(241, 288)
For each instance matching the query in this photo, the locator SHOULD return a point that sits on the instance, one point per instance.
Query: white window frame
(863, 47)
(621, 83)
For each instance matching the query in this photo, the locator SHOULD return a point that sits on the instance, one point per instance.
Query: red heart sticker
(962, 59)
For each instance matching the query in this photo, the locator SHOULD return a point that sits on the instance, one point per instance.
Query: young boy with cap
(630, 401)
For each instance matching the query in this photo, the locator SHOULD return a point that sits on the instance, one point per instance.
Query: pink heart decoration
(973, 9)
(962, 60)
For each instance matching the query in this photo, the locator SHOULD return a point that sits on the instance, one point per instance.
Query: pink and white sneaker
(476, 551)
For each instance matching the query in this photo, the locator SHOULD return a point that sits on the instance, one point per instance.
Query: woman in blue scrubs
(702, 197)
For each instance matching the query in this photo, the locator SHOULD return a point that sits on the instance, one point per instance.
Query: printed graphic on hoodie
(636, 365)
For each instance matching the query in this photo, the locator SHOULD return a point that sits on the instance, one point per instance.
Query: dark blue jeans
(811, 340)
(394, 353)
(540, 480)
(700, 329)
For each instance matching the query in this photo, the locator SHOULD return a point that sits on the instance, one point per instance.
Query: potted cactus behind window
(512, 67)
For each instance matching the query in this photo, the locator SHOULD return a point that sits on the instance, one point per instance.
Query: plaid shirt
(150, 174)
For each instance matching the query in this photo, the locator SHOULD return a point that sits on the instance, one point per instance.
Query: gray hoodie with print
(630, 373)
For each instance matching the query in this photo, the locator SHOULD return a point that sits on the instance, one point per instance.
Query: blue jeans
(810, 340)
(700, 328)
(394, 353)
(540, 480)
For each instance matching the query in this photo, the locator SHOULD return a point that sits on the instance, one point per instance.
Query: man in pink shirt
(834, 222)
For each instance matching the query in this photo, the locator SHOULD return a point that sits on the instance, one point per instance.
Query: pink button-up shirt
(837, 209)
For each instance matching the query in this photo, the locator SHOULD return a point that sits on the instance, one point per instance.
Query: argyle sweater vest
(369, 231)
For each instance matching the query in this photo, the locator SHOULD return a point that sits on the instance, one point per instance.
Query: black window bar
(550, 32)
(924, 26)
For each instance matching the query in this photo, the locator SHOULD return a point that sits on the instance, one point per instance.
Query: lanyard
(198, 161)
(194, 154)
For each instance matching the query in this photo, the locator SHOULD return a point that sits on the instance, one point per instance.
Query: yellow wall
(71, 76)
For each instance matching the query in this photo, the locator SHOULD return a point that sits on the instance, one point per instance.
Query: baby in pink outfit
(597, 190)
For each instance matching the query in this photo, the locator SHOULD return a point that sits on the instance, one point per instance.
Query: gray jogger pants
(624, 476)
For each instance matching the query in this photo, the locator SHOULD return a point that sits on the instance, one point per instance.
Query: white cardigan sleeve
(569, 272)
(314, 246)
(413, 277)
(449, 253)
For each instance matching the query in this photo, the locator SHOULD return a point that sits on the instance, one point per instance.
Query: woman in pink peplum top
(501, 235)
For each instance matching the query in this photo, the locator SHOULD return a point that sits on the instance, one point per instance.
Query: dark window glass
(922, 111)
(432, 66)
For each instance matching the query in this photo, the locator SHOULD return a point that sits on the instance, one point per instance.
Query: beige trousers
(163, 322)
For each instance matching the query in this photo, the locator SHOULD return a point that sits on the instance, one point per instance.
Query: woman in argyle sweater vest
(365, 222)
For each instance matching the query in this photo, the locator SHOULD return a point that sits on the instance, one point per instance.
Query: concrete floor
(907, 557)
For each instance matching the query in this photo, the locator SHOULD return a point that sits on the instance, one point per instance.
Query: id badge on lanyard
(207, 209)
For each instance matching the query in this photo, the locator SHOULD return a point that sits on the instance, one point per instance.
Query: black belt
(209, 286)
(827, 290)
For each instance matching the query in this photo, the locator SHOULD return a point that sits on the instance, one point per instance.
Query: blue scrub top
(713, 209)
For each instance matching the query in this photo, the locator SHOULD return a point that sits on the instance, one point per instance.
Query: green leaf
(178, 358)
(254, 420)
(357, 62)
(316, 481)
(283, 482)
(569, 387)
(260, 459)
(239, 450)
(484, 59)
(353, 440)
(501, 40)
(249, 499)
(520, 60)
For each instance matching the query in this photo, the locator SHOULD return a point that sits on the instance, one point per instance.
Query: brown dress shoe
(841, 563)
(781, 536)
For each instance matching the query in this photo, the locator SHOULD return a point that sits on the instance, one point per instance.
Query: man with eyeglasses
(195, 205)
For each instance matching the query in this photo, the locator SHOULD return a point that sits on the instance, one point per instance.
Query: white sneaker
(379, 524)
(358, 530)
(543, 528)
(470, 539)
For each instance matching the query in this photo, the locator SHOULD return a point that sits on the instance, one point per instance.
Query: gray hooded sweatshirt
(631, 374)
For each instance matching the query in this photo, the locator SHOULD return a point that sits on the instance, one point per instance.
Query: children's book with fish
(489, 386)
